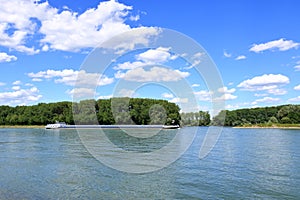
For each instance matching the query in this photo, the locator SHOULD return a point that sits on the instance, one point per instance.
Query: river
(244, 164)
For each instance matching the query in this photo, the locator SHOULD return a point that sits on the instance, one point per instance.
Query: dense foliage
(102, 111)
(285, 114)
(200, 118)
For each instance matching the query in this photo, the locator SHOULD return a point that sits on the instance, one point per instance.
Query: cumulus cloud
(130, 65)
(4, 57)
(158, 55)
(156, 74)
(82, 92)
(18, 82)
(277, 91)
(125, 93)
(167, 95)
(72, 77)
(20, 96)
(296, 99)
(147, 58)
(226, 90)
(179, 100)
(297, 87)
(265, 100)
(105, 96)
(241, 57)
(227, 94)
(225, 97)
(260, 95)
(17, 87)
(281, 45)
(64, 30)
(203, 95)
(268, 82)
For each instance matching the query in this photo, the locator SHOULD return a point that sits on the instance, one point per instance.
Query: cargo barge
(62, 125)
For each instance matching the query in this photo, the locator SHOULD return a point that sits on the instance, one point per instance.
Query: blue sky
(255, 45)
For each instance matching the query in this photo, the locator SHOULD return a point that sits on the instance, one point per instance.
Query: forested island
(103, 111)
(276, 116)
(143, 111)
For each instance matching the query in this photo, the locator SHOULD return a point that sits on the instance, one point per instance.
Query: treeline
(200, 118)
(285, 114)
(103, 111)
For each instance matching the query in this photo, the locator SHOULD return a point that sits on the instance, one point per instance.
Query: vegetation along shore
(144, 112)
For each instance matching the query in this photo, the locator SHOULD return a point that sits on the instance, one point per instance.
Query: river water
(244, 164)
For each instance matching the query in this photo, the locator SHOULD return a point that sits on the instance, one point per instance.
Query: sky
(251, 46)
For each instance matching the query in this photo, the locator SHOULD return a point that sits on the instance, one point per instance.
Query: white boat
(59, 125)
(56, 125)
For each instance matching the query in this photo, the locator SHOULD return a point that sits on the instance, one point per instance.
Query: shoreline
(22, 126)
(267, 127)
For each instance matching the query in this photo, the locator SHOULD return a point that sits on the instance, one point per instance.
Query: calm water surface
(244, 164)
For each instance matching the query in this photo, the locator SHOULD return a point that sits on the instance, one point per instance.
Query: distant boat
(63, 125)
(56, 125)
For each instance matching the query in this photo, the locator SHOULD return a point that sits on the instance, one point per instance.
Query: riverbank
(22, 126)
(278, 126)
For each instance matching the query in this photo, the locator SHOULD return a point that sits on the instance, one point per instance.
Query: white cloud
(241, 57)
(195, 63)
(158, 55)
(179, 100)
(72, 77)
(134, 18)
(225, 97)
(17, 87)
(4, 57)
(37, 79)
(232, 107)
(147, 58)
(297, 87)
(156, 74)
(125, 93)
(195, 85)
(65, 30)
(265, 82)
(260, 95)
(297, 67)
(277, 91)
(203, 95)
(227, 94)
(196, 59)
(281, 45)
(265, 100)
(130, 65)
(296, 99)
(20, 24)
(18, 82)
(167, 95)
(29, 84)
(2, 84)
(82, 92)
(226, 90)
(227, 55)
(105, 96)
(119, 75)
(20, 96)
